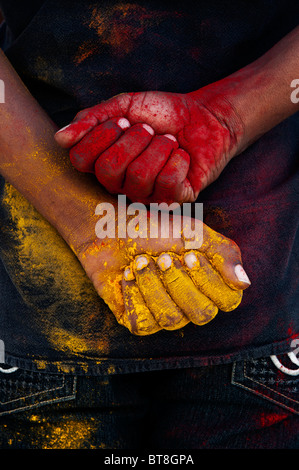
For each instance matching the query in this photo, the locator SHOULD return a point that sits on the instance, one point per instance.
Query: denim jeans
(245, 405)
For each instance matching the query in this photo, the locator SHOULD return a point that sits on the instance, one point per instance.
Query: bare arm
(260, 93)
(33, 163)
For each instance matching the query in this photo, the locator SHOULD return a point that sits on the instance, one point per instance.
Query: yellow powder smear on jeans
(65, 432)
(68, 341)
(69, 434)
(50, 279)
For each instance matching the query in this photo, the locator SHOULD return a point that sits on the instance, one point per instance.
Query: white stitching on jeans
(272, 390)
(34, 394)
(259, 393)
(46, 402)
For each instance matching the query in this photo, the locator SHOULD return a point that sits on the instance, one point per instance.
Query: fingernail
(171, 137)
(164, 262)
(128, 274)
(123, 123)
(141, 262)
(63, 128)
(241, 274)
(191, 260)
(148, 128)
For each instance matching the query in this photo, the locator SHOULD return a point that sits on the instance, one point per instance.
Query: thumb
(89, 118)
(225, 255)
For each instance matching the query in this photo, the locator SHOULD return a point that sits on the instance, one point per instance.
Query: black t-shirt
(73, 55)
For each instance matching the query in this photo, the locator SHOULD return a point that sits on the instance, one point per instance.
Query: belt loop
(284, 369)
(2, 360)
(8, 371)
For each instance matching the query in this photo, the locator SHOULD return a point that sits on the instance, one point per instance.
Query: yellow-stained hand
(169, 291)
(158, 283)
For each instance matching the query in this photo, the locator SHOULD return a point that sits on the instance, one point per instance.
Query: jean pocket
(23, 390)
(262, 377)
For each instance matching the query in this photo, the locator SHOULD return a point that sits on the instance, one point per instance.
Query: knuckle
(228, 245)
(134, 175)
(145, 328)
(234, 248)
(207, 313)
(83, 114)
(105, 177)
(180, 152)
(167, 180)
(100, 168)
(78, 160)
(104, 166)
(231, 301)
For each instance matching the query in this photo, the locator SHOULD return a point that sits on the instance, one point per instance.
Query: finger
(84, 154)
(225, 256)
(170, 184)
(142, 172)
(166, 313)
(73, 132)
(195, 305)
(206, 142)
(88, 118)
(110, 167)
(139, 318)
(210, 283)
(112, 296)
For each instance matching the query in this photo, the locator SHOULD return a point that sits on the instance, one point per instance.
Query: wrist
(69, 204)
(257, 97)
(219, 99)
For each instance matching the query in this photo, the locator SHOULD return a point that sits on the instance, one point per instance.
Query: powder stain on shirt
(85, 50)
(121, 26)
(47, 73)
(50, 279)
(67, 432)
(70, 434)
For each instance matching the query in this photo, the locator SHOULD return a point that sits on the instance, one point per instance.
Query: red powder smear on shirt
(120, 26)
(84, 51)
(268, 419)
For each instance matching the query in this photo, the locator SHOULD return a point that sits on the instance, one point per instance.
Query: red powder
(269, 419)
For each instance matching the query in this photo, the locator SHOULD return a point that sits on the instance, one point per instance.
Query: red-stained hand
(152, 146)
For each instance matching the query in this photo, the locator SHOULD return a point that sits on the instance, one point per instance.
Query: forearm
(33, 163)
(260, 93)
